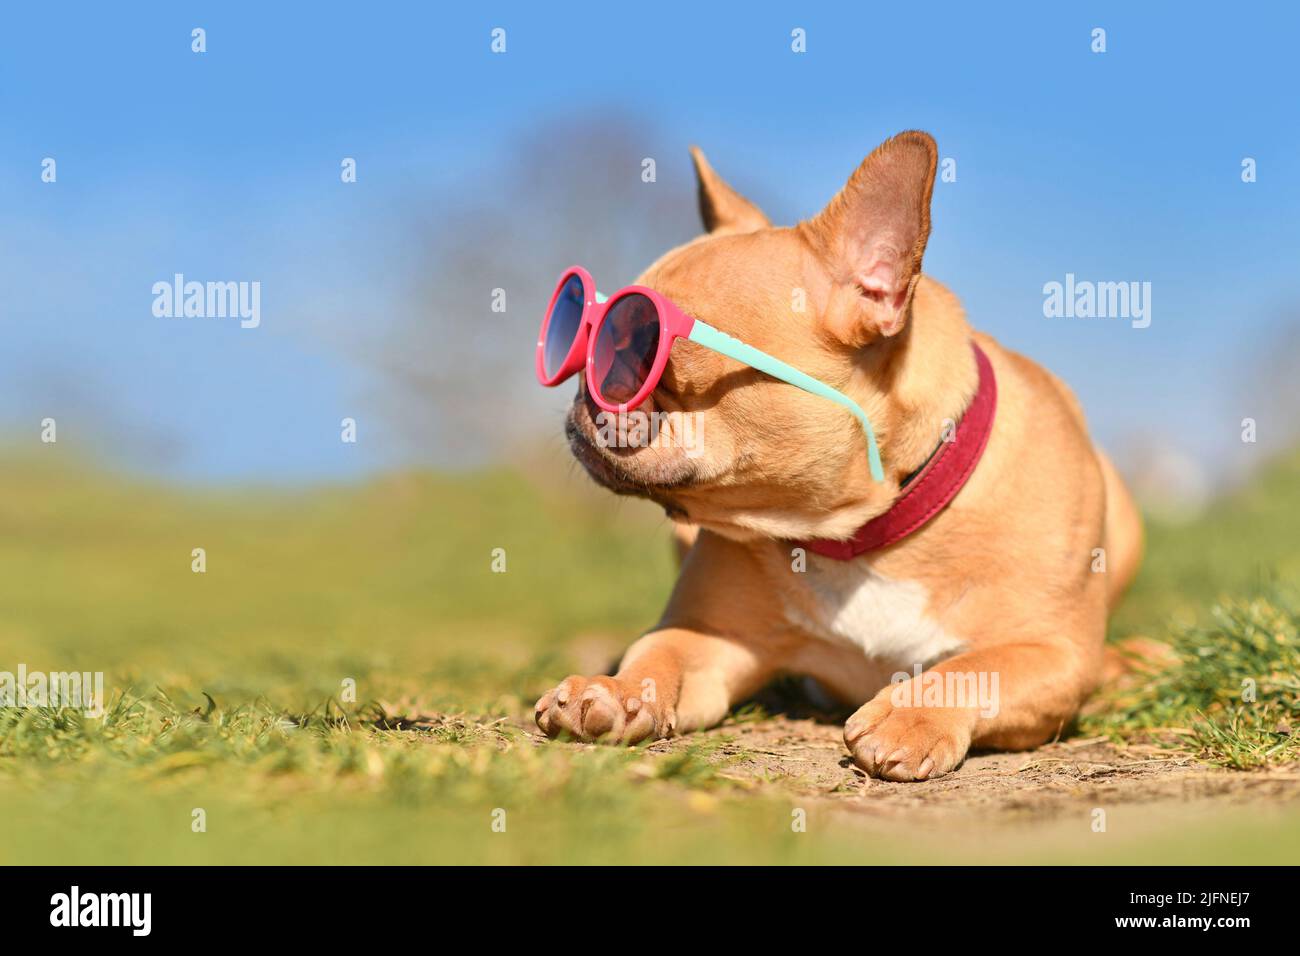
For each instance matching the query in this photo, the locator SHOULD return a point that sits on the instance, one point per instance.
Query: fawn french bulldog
(961, 554)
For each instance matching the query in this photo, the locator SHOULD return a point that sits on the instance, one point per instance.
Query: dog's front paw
(605, 709)
(907, 743)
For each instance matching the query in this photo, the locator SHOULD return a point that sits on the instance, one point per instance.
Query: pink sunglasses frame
(674, 324)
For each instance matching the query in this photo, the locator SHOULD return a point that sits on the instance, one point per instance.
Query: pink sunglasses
(624, 342)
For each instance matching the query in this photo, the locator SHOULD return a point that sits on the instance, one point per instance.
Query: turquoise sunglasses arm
(706, 335)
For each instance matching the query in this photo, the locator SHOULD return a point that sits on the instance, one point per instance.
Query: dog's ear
(872, 237)
(722, 208)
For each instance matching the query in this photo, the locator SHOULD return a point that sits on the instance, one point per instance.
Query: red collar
(927, 491)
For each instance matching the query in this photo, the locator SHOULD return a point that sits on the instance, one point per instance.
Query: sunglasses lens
(626, 347)
(562, 325)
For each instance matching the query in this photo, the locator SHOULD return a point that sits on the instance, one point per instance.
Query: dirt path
(806, 757)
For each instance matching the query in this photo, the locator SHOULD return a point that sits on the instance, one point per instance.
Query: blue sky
(225, 165)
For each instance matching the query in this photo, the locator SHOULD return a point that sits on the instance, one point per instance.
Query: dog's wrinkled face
(728, 448)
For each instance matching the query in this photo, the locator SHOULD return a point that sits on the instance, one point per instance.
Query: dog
(978, 619)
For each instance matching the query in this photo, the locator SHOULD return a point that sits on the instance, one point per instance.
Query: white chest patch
(849, 603)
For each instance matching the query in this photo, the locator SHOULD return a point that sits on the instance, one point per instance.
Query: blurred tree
(572, 192)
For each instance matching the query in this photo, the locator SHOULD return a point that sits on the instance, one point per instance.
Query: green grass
(1232, 690)
(1243, 545)
(1221, 593)
(228, 688)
